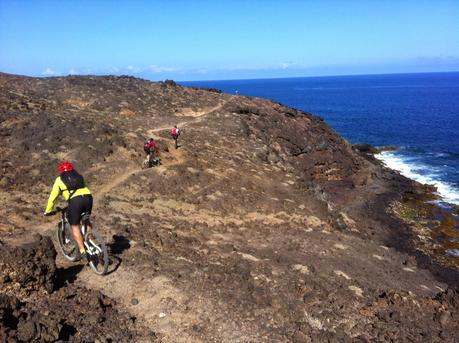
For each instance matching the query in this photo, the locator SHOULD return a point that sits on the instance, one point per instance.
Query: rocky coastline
(263, 226)
(430, 221)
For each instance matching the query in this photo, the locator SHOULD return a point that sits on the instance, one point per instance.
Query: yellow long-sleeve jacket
(59, 188)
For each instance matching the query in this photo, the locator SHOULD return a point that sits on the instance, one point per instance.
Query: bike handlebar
(56, 210)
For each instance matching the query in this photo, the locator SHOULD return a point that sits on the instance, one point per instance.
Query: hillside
(264, 226)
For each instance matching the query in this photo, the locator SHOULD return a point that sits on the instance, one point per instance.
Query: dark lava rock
(369, 149)
(31, 265)
(36, 327)
(27, 326)
(449, 297)
(366, 148)
(83, 317)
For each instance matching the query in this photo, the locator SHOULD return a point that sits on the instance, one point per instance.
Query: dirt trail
(177, 158)
(202, 113)
(123, 177)
(168, 127)
(145, 298)
(125, 284)
(117, 181)
(198, 117)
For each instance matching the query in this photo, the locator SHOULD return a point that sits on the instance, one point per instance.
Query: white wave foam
(412, 170)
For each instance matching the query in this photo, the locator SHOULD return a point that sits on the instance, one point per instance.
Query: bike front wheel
(66, 242)
(97, 250)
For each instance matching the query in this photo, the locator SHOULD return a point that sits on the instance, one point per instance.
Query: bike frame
(92, 250)
(94, 244)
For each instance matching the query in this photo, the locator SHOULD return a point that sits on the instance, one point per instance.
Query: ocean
(419, 113)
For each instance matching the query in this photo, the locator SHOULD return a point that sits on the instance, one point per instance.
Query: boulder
(30, 266)
(341, 221)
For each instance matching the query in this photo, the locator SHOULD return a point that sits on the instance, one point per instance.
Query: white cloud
(73, 72)
(202, 71)
(285, 65)
(255, 67)
(158, 69)
(239, 67)
(133, 69)
(50, 72)
(438, 60)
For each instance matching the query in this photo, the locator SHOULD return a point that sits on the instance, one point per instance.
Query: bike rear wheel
(97, 250)
(66, 242)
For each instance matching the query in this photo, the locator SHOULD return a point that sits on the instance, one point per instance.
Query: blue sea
(419, 113)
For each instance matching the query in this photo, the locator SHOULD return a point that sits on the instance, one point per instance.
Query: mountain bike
(93, 242)
(151, 161)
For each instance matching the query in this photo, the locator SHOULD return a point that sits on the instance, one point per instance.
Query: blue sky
(206, 40)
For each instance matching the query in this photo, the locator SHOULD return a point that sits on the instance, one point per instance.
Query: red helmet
(65, 167)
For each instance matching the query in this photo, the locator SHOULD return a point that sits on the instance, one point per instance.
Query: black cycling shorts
(147, 150)
(77, 206)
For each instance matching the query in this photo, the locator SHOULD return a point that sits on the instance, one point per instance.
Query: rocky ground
(264, 226)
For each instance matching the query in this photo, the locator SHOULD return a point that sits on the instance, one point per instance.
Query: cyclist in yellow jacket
(71, 185)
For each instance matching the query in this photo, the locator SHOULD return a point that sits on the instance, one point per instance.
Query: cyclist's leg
(73, 215)
(77, 206)
(147, 154)
(78, 237)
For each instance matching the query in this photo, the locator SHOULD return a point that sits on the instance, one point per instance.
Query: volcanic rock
(263, 226)
(31, 266)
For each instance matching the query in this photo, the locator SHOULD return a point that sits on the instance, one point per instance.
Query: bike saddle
(85, 217)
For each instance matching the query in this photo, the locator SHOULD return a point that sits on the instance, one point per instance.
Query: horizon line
(324, 76)
(236, 79)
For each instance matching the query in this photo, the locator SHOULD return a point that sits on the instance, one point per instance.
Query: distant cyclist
(72, 187)
(150, 149)
(175, 135)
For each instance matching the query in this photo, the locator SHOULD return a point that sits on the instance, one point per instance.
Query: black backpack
(72, 181)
